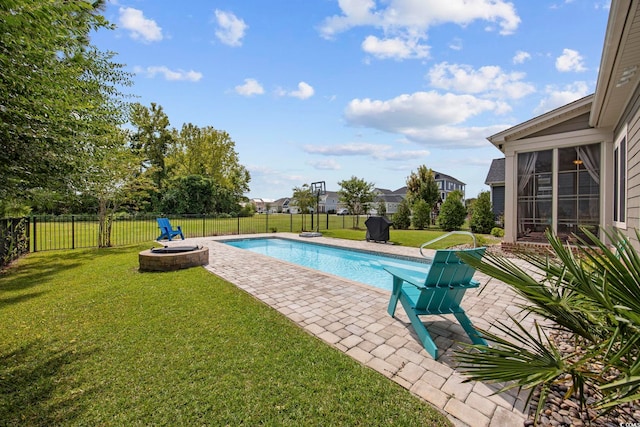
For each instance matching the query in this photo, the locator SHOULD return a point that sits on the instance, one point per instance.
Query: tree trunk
(104, 225)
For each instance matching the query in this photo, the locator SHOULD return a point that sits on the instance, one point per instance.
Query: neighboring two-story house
(447, 184)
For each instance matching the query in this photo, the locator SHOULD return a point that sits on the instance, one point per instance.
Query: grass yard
(88, 340)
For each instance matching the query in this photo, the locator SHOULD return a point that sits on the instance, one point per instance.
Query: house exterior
(330, 201)
(578, 165)
(327, 203)
(282, 205)
(391, 200)
(447, 184)
(495, 181)
(264, 205)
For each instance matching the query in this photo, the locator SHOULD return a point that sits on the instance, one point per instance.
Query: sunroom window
(563, 195)
(578, 190)
(620, 181)
(535, 188)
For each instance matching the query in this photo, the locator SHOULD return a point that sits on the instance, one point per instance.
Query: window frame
(620, 172)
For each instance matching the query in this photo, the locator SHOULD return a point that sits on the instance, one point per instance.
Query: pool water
(363, 267)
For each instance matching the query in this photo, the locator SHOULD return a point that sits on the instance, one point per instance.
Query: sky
(327, 90)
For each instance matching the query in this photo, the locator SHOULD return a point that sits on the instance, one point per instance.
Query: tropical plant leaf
(591, 291)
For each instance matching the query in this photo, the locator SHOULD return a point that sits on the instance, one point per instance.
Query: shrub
(247, 210)
(421, 215)
(497, 232)
(483, 220)
(593, 295)
(402, 218)
(452, 212)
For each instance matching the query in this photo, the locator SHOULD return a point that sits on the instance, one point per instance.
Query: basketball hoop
(318, 188)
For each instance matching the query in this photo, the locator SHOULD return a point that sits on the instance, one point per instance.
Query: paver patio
(353, 318)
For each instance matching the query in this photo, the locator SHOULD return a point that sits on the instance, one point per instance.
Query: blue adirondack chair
(440, 292)
(168, 232)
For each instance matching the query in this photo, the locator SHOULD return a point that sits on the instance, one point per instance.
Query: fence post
(28, 231)
(238, 225)
(203, 225)
(290, 222)
(35, 235)
(266, 226)
(73, 231)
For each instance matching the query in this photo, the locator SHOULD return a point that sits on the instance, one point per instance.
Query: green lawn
(88, 340)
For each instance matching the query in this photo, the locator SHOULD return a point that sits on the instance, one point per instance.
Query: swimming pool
(360, 266)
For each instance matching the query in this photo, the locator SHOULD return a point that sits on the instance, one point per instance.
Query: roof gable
(563, 119)
(496, 172)
(443, 176)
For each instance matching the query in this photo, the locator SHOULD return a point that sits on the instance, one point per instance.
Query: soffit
(544, 121)
(620, 65)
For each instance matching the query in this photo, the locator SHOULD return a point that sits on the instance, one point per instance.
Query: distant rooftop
(496, 172)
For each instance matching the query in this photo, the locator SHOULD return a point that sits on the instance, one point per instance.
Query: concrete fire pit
(172, 258)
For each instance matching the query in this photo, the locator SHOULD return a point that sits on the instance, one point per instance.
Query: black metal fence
(14, 239)
(47, 232)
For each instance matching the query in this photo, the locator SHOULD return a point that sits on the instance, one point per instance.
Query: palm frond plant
(590, 292)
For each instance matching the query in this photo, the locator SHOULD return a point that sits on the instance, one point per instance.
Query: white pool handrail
(468, 233)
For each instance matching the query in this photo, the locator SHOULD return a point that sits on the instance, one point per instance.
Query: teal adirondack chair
(166, 231)
(440, 292)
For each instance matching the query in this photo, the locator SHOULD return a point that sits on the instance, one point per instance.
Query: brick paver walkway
(353, 318)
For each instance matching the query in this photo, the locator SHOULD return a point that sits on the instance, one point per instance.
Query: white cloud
(395, 48)
(355, 13)
(249, 88)
(326, 164)
(140, 28)
(231, 29)
(489, 80)
(375, 151)
(521, 56)
(420, 15)
(352, 149)
(570, 60)
(455, 44)
(428, 118)
(557, 97)
(304, 91)
(449, 137)
(430, 108)
(270, 178)
(400, 155)
(150, 72)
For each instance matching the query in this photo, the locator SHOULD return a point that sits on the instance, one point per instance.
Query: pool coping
(352, 317)
(420, 259)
